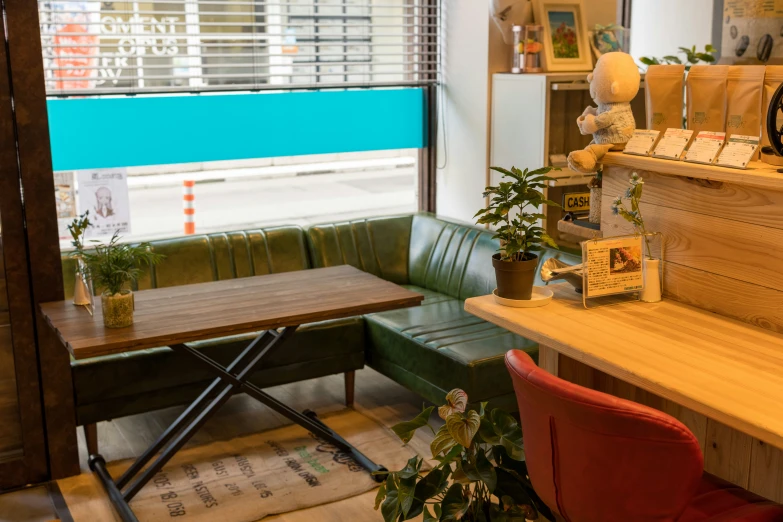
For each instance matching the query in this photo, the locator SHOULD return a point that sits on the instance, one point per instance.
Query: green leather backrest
(215, 257)
(451, 258)
(376, 245)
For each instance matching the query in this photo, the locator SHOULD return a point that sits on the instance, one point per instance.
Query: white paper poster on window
(65, 197)
(104, 192)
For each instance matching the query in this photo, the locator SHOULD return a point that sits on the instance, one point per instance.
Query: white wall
(465, 97)
(659, 27)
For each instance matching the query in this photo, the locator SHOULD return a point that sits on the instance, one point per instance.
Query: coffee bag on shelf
(706, 98)
(744, 90)
(663, 92)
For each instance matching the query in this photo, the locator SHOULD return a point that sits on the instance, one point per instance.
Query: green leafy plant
(518, 231)
(633, 215)
(114, 265)
(692, 57)
(77, 228)
(481, 473)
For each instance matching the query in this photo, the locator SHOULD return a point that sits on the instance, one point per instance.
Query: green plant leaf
(380, 496)
(405, 494)
(449, 457)
(463, 427)
(390, 508)
(443, 442)
(433, 484)
(482, 470)
(405, 430)
(428, 517)
(508, 485)
(456, 402)
(454, 505)
(411, 469)
(503, 430)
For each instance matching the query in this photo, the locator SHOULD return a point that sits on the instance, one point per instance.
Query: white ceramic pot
(652, 281)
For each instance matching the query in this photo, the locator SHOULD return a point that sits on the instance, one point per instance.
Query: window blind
(173, 46)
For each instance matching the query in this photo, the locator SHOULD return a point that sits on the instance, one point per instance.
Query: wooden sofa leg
(350, 379)
(91, 435)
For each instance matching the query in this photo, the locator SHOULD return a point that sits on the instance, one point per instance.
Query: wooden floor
(376, 397)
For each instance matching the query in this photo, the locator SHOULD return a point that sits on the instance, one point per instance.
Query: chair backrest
(593, 457)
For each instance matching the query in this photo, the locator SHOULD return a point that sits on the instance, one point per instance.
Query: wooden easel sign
(613, 270)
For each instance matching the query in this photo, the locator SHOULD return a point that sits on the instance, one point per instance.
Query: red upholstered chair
(593, 457)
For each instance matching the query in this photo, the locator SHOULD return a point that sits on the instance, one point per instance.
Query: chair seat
(719, 501)
(445, 346)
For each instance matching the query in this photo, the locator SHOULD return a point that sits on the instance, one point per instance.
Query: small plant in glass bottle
(77, 228)
(113, 267)
(651, 293)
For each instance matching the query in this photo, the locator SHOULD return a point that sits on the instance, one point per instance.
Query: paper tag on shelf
(705, 147)
(738, 152)
(672, 144)
(642, 142)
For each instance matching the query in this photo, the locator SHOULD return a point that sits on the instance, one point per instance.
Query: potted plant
(509, 211)
(651, 292)
(481, 473)
(77, 228)
(113, 267)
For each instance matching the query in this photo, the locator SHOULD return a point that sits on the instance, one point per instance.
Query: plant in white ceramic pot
(113, 267)
(651, 292)
(517, 228)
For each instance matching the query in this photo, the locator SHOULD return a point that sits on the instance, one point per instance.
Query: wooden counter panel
(742, 251)
(728, 453)
(714, 198)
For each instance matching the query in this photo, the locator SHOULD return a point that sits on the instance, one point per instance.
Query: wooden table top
(722, 368)
(181, 314)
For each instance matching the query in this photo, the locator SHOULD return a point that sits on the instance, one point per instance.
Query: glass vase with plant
(481, 473)
(113, 267)
(77, 229)
(517, 228)
(652, 267)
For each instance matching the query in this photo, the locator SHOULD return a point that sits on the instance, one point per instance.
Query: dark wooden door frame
(28, 88)
(32, 466)
(428, 156)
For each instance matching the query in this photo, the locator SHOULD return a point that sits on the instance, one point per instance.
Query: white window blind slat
(132, 47)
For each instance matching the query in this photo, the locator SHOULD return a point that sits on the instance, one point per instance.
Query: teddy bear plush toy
(613, 84)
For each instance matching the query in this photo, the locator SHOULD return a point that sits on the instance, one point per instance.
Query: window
(200, 45)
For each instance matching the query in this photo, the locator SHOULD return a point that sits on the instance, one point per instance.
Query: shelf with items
(757, 174)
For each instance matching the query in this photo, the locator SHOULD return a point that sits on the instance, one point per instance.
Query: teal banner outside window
(88, 133)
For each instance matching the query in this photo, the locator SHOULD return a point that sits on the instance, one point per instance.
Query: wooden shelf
(758, 174)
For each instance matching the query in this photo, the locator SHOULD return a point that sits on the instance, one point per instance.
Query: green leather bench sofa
(429, 349)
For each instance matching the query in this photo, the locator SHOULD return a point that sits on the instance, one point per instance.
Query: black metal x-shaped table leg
(229, 381)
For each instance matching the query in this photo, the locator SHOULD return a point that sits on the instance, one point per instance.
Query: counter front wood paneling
(723, 228)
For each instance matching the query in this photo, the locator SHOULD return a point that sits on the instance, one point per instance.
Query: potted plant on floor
(517, 228)
(113, 267)
(480, 476)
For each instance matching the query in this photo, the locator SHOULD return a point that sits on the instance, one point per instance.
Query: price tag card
(738, 152)
(672, 144)
(705, 147)
(642, 142)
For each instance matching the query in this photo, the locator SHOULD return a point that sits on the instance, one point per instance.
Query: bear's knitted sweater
(615, 123)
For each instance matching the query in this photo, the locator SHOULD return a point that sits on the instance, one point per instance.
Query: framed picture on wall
(566, 46)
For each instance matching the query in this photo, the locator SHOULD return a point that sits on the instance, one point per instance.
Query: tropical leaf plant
(509, 211)
(692, 57)
(115, 265)
(481, 475)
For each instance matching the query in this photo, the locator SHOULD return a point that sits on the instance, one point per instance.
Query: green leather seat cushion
(150, 376)
(445, 346)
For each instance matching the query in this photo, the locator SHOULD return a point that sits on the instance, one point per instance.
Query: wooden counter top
(758, 174)
(722, 368)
